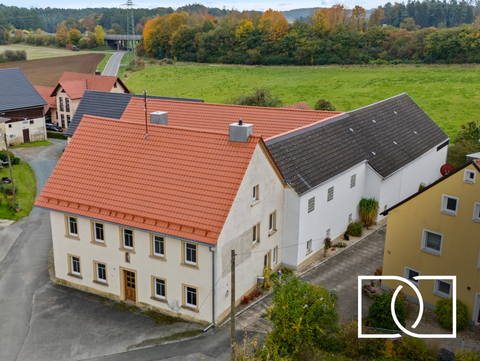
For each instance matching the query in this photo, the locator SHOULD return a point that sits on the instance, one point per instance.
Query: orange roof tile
(75, 84)
(301, 105)
(267, 122)
(178, 182)
(45, 92)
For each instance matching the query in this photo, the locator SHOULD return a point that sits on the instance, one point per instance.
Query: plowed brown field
(46, 72)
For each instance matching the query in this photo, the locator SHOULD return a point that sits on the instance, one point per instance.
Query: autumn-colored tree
(150, 31)
(210, 17)
(89, 22)
(409, 24)
(359, 18)
(180, 40)
(62, 34)
(71, 23)
(244, 29)
(74, 36)
(376, 17)
(99, 35)
(476, 23)
(273, 26)
(175, 20)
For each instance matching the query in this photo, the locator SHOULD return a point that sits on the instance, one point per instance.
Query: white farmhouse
(382, 151)
(151, 216)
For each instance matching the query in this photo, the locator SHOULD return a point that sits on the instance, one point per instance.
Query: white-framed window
(266, 261)
(72, 226)
(442, 289)
(272, 222)
(101, 272)
(75, 265)
(190, 253)
(190, 297)
(410, 273)
(469, 176)
(353, 180)
(476, 212)
(432, 242)
(99, 233)
(256, 194)
(275, 255)
(159, 246)
(160, 288)
(309, 245)
(449, 205)
(330, 194)
(256, 233)
(311, 204)
(127, 238)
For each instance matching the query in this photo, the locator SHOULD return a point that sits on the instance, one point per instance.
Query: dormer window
(469, 176)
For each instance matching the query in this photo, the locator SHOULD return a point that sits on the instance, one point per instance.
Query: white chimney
(239, 132)
(159, 118)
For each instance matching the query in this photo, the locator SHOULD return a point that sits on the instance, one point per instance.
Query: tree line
(335, 35)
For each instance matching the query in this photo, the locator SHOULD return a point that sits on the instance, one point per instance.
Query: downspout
(213, 289)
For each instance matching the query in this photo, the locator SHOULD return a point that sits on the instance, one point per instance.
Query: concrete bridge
(121, 41)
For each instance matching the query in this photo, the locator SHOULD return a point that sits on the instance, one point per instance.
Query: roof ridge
(167, 126)
(381, 101)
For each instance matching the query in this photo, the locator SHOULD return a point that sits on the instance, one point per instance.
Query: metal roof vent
(395, 112)
(394, 142)
(239, 132)
(351, 129)
(373, 153)
(373, 120)
(159, 118)
(415, 132)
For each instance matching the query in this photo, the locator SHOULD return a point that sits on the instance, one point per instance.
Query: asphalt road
(113, 64)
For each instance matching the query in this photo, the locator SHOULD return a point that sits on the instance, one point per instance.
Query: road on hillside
(113, 64)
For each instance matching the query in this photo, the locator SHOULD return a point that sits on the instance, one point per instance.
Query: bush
(368, 208)
(56, 135)
(341, 245)
(329, 343)
(260, 98)
(245, 300)
(140, 63)
(462, 355)
(345, 236)
(353, 347)
(446, 355)
(412, 348)
(328, 243)
(3, 155)
(379, 314)
(324, 104)
(355, 229)
(15, 160)
(7, 189)
(444, 313)
(421, 187)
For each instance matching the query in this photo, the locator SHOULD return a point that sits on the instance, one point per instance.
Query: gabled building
(71, 86)
(435, 233)
(152, 218)
(382, 151)
(50, 110)
(21, 109)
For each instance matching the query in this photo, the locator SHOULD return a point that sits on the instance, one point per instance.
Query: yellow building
(437, 232)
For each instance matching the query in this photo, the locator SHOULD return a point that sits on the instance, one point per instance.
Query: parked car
(53, 128)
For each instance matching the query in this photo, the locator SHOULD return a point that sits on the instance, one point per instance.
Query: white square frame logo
(420, 302)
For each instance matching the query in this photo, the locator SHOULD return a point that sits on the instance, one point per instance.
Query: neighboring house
(382, 151)
(109, 105)
(152, 219)
(51, 115)
(21, 109)
(71, 86)
(435, 232)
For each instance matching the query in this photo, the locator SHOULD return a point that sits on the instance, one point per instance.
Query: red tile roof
(301, 105)
(267, 122)
(178, 182)
(75, 84)
(45, 92)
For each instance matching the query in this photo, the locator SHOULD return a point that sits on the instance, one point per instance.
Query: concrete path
(340, 273)
(113, 64)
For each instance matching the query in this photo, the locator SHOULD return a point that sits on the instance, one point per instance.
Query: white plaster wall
(171, 270)
(331, 215)
(15, 132)
(291, 228)
(237, 231)
(405, 182)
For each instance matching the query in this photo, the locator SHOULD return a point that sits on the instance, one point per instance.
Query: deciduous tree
(74, 36)
(99, 35)
(376, 17)
(62, 34)
(273, 25)
(359, 18)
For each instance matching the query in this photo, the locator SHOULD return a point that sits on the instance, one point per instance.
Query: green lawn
(43, 52)
(33, 144)
(103, 63)
(26, 183)
(450, 95)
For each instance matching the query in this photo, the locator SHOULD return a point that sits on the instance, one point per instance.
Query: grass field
(42, 52)
(26, 183)
(450, 95)
(32, 144)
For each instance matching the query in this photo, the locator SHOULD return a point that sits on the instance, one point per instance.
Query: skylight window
(373, 153)
(351, 129)
(395, 112)
(394, 142)
(415, 132)
(373, 120)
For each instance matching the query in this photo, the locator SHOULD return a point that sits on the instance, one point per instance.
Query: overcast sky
(238, 4)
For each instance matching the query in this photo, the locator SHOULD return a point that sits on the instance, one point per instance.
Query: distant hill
(295, 14)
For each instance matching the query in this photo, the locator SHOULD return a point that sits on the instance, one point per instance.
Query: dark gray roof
(388, 135)
(108, 105)
(17, 91)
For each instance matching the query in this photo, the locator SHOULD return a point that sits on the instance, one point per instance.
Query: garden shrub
(15, 160)
(329, 343)
(328, 243)
(355, 229)
(341, 245)
(446, 355)
(353, 347)
(463, 355)
(412, 348)
(7, 189)
(345, 236)
(379, 314)
(3, 155)
(368, 208)
(444, 314)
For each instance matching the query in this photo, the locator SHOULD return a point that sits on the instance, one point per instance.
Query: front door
(130, 286)
(26, 136)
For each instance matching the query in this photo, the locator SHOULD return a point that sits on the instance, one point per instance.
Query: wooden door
(130, 286)
(26, 136)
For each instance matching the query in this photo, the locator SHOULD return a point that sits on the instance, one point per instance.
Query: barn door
(26, 136)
